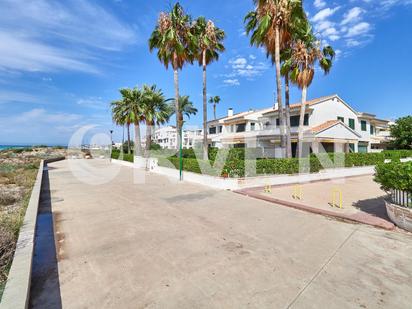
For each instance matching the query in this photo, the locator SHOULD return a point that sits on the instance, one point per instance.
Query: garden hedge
(395, 176)
(234, 166)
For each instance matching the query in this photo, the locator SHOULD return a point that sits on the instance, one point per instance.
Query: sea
(4, 147)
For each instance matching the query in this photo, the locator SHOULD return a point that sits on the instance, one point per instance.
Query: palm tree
(186, 108)
(214, 100)
(155, 109)
(305, 54)
(122, 114)
(268, 24)
(297, 29)
(208, 45)
(173, 40)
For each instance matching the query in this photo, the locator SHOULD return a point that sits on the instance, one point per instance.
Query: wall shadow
(374, 206)
(45, 285)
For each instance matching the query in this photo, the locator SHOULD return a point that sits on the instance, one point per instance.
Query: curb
(17, 290)
(358, 218)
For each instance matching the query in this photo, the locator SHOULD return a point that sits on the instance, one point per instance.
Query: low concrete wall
(17, 291)
(258, 181)
(399, 215)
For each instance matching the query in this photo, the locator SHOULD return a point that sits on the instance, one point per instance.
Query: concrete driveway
(168, 245)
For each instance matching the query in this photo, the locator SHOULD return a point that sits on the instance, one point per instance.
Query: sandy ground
(167, 245)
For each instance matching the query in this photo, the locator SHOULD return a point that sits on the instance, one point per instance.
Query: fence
(401, 198)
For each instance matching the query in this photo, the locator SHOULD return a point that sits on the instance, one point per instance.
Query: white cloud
(40, 115)
(324, 14)
(93, 102)
(231, 82)
(352, 15)
(45, 35)
(242, 68)
(21, 53)
(358, 29)
(18, 97)
(253, 57)
(238, 63)
(319, 4)
(323, 25)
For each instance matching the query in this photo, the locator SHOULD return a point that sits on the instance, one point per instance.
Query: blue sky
(62, 62)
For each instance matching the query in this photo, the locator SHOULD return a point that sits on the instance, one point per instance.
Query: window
(212, 130)
(252, 126)
(352, 123)
(341, 118)
(363, 125)
(294, 120)
(241, 127)
(372, 129)
(351, 147)
(220, 129)
(277, 122)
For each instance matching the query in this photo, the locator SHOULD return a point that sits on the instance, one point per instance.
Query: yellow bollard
(267, 189)
(297, 192)
(336, 192)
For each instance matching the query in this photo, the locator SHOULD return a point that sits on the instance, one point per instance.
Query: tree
(135, 102)
(214, 100)
(268, 24)
(155, 109)
(186, 108)
(401, 132)
(305, 54)
(208, 40)
(173, 40)
(122, 113)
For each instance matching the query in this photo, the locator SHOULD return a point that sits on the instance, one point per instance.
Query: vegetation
(147, 105)
(237, 158)
(18, 171)
(209, 44)
(174, 41)
(401, 131)
(395, 175)
(215, 101)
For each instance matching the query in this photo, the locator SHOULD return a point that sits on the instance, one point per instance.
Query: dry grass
(17, 176)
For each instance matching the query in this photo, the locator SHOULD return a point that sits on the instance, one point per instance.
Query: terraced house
(329, 122)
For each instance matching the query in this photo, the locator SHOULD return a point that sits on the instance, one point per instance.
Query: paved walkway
(168, 245)
(362, 199)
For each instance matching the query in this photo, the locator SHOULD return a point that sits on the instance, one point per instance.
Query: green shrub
(394, 176)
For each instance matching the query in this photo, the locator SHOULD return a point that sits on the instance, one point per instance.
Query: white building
(329, 121)
(166, 137)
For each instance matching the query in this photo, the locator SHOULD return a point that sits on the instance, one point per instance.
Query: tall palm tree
(208, 45)
(186, 108)
(305, 55)
(155, 109)
(268, 24)
(173, 40)
(297, 30)
(214, 100)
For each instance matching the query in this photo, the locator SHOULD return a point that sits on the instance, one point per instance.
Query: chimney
(230, 112)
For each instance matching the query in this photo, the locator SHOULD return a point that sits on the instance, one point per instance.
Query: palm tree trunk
(205, 156)
(128, 138)
(287, 118)
(214, 110)
(137, 140)
(279, 91)
(149, 130)
(122, 137)
(301, 122)
(178, 112)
